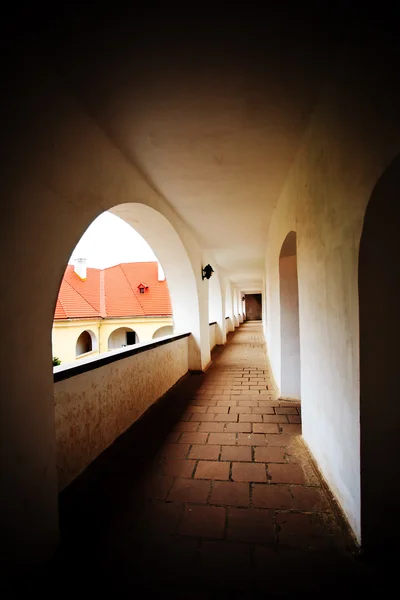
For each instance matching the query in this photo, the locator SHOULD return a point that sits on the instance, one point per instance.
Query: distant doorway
(253, 307)
(130, 338)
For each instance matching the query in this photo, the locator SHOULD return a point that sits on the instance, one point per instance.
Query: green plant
(56, 361)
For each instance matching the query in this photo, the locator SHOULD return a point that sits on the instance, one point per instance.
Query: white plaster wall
(230, 322)
(290, 340)
(216, 305)
(61, 170)
(351, 138)
(235, 306)
(213, 336)
(94, 408)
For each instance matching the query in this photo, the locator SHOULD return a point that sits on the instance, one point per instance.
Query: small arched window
(85, 343)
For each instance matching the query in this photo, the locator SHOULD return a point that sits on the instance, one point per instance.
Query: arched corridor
(214, 487)
(214, 138)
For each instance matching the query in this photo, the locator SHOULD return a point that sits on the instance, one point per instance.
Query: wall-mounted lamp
(207, 272)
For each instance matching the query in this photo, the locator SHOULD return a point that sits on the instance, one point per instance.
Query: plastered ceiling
(212, 113)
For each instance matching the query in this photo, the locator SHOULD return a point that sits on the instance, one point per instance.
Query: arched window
(86, 342)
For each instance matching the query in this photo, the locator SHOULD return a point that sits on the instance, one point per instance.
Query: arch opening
(379, 301)
(289, 317)
(161, 331)
(122, 337)
(85, 343)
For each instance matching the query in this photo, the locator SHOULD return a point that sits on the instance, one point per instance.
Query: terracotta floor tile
(244, 403)
(205, 452)
(239, 427)
(291, 428)
(189, 490)
(204, 535)
(239, 410)
(286, 473)
(226, 418)
(279, 440)
(236, 453)
(211, 427)
(272, 496)
(294, 418)
(178, 467)
(203, 402)
(193, 438)
(251, 525)
(212, 470)
(222, 438)
(174, 451)
(197, 409)
(230, 493)
(248, 472)
(309, 499)
(202, 417)
(218, 409)
(265, 428)
(264, 410)
(286, 410)
(251, 439)
(275, 419)
(186, 426)
(203, 521)
(273, 454)
(250, 418)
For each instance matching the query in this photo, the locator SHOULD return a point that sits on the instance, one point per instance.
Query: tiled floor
(211, 493)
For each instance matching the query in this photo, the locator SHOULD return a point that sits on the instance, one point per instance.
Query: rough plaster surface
(216, 303)
(290, 342)
(213, 336)
(324, 199)
(94, 408)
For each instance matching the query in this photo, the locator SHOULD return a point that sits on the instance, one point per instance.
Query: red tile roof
(118, 297)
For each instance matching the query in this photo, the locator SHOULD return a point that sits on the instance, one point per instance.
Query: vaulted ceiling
(212, 110)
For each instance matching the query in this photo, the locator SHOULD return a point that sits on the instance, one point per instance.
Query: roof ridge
(133, 291)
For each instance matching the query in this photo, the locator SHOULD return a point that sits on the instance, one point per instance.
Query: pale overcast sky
(109, 241)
